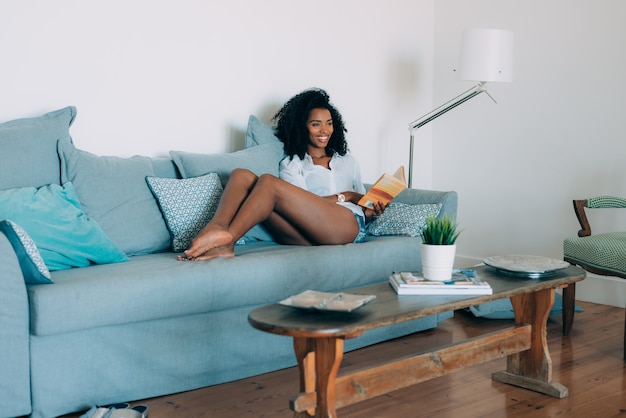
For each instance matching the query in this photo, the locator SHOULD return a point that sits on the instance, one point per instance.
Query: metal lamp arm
(449, 105)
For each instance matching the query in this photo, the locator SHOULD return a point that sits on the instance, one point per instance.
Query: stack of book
(463, 282)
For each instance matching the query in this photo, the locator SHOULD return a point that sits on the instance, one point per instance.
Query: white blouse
(344, 175)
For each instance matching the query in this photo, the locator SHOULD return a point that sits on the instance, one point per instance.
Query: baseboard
(604, 290)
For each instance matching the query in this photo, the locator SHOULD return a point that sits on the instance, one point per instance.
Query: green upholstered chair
(603, 254)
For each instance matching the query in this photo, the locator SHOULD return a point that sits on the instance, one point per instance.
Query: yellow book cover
(385, 189)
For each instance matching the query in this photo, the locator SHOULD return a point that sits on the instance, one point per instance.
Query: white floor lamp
(486, 55)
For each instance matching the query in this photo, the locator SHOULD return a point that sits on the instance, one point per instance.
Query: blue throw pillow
(187, 205)
(54, 219)
(113, 192)
(403, 219)
(33, 267)
(259, 133)
(32, 142)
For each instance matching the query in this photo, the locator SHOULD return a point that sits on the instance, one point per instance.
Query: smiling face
(320, 126)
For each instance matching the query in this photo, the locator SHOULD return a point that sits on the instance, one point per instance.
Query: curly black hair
(292, 120)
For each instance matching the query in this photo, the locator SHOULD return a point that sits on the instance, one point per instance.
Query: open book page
(385, 189)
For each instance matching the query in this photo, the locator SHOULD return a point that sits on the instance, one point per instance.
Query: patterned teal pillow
(187, 205)
(33, 267)
(403, 219)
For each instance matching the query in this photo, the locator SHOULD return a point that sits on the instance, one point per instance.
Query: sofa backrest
(28, 149)
(35, 152)
(165, 167)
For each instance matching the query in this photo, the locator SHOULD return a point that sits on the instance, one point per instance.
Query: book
(463, 282)
(385, 189)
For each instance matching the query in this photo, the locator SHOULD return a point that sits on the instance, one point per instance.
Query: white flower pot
(437, 261)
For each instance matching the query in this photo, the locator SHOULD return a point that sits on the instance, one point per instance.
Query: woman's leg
(239, 185)
(292, 214)
(215, 234)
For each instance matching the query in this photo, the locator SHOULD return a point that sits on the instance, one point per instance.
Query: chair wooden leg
(625, 336)
(569, 297)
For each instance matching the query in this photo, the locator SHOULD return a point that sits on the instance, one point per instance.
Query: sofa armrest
(14, 335)
(448, 200)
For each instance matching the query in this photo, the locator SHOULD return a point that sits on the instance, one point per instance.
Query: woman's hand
(370, 213)
(378, 210)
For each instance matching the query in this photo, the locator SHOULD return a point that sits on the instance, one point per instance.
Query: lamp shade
(487, 55)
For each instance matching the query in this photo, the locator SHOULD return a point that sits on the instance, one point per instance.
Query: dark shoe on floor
(142, 409)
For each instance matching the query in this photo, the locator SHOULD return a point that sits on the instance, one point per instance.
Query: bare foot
(226, 251)
(208, 239)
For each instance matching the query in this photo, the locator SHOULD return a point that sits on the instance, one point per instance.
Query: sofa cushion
(53, 217)
(164, 167)
(158, 286)
(259, 133)
(403, 219)
(113, 192)
(33, 267)
(32, 142)
(186, 204)
(260, 159)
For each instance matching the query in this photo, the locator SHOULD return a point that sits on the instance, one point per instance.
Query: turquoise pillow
(113, 192)
(33, 267)
(403, 219)
(54, 219)
(186, 204)
(259, 133)
(29, 149)
(261, 159)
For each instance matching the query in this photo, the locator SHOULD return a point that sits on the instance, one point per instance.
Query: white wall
(556, 134)
(150, 76)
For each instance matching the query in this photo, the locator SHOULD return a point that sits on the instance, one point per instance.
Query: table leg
(318, 362)
(305, 355)
(569, 296)
(532, 369)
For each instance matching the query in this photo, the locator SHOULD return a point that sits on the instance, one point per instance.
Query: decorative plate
(526, 265)
(325, 301)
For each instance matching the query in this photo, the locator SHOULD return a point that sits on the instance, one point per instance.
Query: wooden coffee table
(318, 340)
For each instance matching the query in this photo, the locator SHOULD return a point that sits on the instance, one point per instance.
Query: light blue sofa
(152, 325)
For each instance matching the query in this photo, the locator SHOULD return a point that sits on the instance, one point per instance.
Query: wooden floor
(589, 362)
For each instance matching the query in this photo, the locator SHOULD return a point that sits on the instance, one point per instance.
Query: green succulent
(440, 231)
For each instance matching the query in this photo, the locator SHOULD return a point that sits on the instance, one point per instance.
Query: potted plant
(438, 247)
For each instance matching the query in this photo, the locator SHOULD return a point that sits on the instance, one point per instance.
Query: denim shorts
(360, 237)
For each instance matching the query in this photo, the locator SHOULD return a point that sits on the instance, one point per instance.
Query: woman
(314, 201)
